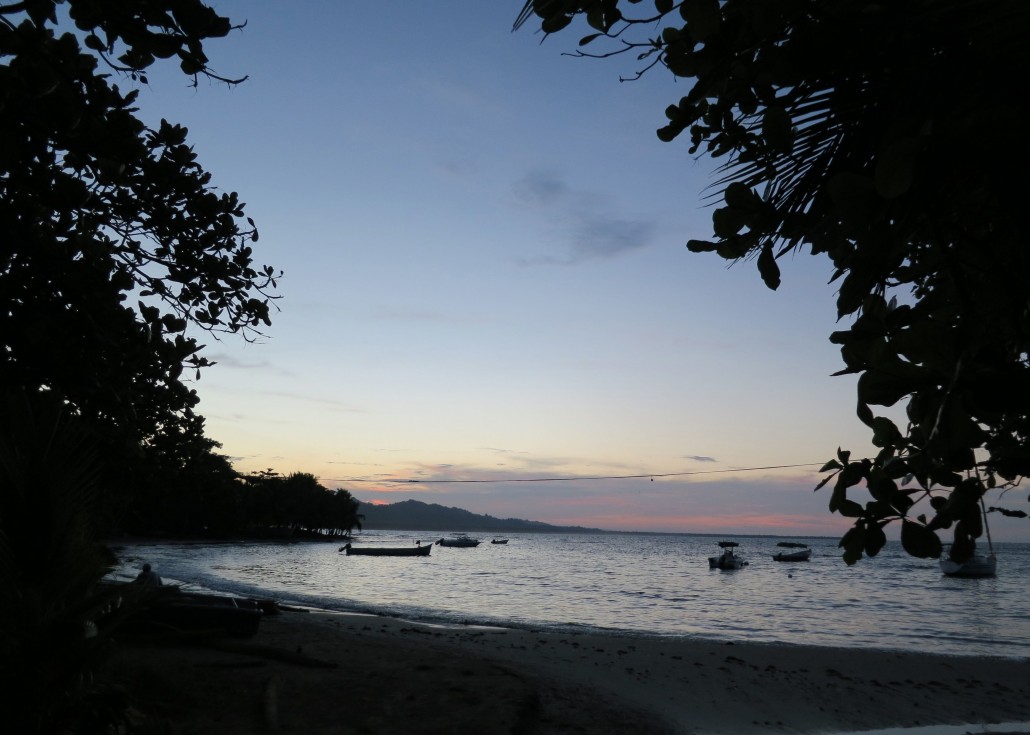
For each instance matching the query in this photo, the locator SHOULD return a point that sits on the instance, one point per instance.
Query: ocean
(635, 584)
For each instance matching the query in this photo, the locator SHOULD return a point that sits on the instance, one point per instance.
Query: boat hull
(458, 543)
(194, 613)
(974, 566)
(805, 555)
(726, 562)
(388, 550)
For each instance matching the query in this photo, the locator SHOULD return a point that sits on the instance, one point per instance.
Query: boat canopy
(728, 544)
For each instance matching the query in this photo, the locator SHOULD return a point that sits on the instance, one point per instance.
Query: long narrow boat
(172, 610)
(801, 552)
(387, 550)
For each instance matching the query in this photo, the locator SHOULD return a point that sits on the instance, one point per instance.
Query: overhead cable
(651, 475)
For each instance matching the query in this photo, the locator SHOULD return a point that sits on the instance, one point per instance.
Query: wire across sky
(410, 481)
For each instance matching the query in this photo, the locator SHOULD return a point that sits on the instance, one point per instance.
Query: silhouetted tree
(115, 247)
(887, 136)
(115, 250)
(50, 561)
(297, 504)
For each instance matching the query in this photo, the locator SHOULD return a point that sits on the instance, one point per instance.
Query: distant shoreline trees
(210, 500)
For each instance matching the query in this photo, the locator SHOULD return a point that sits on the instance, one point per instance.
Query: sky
(486, 279)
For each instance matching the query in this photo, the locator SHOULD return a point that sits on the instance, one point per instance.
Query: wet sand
(313, 673)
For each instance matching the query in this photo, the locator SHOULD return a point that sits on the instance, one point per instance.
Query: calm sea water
(633, 583)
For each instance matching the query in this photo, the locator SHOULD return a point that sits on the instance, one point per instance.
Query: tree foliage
(115, 248)
(298, 504)
(209, 499)
(888, 137)
(49, 563)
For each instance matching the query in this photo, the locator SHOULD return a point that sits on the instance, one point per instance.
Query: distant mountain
(413, 515)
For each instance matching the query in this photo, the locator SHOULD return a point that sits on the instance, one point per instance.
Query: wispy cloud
(403, 313)
(499, 450)
(233, 362)
(593, 228)
(699, 458)
(324, 402)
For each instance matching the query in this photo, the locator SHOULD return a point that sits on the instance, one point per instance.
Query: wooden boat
(196, 613)
(727, 560)
(801, 553)
(459, 542)
(499, 541)
(417, 550)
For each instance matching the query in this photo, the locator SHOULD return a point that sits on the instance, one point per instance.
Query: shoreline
(516, 680)
(814, 605)
(441, 621)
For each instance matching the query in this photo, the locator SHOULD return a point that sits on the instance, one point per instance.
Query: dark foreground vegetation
(883, 136)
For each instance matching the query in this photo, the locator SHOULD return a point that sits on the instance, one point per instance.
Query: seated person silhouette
(148, 577)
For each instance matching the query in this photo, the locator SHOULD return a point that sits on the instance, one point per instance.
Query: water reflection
(645, 584)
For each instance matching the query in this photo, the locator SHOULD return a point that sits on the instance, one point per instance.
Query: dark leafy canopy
(49, 564)
(298, 505)
(888, 137)
(114, 245)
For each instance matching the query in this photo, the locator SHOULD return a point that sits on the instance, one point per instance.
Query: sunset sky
(487, 279)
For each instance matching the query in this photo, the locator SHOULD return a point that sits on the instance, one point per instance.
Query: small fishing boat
(417, 550)
(727, 559)
(499, 541)
(461, 542)
(801, 552)
(975, 566)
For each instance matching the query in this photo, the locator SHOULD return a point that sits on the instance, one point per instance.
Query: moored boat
(801, 552)
(417, 550)
(974, 566)
(727, 559)
(461, 541)
(499, 541)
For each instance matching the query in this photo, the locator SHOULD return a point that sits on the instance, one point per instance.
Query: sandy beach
(316, 672)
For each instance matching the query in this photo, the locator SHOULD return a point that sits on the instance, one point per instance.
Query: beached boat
(417, 550)
(727, 559)
(801, 552)
(459, 541)
(499, 541)
(196, 613)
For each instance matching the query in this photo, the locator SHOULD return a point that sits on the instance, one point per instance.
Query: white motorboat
(460, 541)
(975, 566)
(727, 559)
